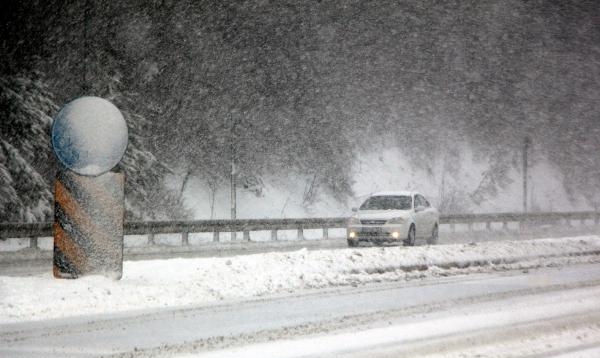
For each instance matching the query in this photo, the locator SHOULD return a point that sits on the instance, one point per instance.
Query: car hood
(383, 214)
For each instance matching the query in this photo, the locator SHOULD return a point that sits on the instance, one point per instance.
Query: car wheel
(433, 240)
(352, 243)
(410, 240)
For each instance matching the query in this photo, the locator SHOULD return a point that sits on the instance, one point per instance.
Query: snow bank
(184, 282)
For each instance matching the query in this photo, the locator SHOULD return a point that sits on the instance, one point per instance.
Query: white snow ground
(184, 282)
(476, 332)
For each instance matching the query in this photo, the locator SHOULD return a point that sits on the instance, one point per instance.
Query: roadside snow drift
(185, 282)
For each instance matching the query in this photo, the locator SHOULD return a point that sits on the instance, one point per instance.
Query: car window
(417, 201)
(388, 202)
(420, 201)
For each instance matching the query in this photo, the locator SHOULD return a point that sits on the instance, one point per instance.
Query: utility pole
(86, 19)
(526, 145)
(233, 173)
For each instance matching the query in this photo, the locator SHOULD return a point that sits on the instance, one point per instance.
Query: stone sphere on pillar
(89, 136)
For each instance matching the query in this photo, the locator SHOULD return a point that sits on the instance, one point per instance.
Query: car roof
(394, 193)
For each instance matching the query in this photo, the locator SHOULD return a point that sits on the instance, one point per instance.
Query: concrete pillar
(88, 224)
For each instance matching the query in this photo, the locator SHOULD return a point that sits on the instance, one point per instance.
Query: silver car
(401, 216)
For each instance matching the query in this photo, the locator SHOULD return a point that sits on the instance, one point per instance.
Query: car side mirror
(419, 208)
(354, 210)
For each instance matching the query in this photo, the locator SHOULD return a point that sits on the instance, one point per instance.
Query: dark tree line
(303, 87)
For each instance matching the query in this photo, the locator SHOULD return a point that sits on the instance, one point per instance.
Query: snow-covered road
(389, 301)
(547, 320)
(436, 315)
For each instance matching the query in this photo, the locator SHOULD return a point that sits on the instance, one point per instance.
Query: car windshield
(397, 202)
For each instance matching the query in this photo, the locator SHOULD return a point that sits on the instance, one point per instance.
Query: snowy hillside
(389, 169)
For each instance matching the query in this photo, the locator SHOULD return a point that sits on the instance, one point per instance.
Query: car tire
(410, 240)
(352, 243)
(433, 240)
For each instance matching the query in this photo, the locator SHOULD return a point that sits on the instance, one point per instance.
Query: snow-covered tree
(309, 85)
(25, 159)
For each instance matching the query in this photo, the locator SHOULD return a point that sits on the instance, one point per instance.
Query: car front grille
(371, 234)
(373, 222)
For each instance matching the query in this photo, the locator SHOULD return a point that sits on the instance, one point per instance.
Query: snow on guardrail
(154, 284)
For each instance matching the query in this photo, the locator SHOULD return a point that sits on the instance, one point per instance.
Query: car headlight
(396, 221)
(353, 221)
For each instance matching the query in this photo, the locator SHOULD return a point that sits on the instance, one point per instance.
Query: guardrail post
(184, 239)
(33, 242)
(274, 235)
(300, 233)
(325, 233)
(246, 235)
(151, 238)
(216, 237)
(525, 222)
(568, 222)
(488, 225)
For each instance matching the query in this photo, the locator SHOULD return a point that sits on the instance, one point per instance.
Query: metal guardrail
(537, 218)
(521, 217)
(32, 231)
